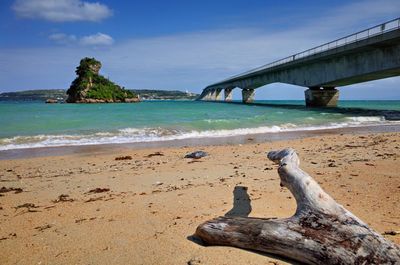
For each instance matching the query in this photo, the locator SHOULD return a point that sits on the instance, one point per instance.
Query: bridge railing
(355, 37)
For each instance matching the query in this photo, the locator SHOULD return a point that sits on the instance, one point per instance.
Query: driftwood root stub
(321, 231)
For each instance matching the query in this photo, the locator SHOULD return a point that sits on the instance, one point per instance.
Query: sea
(35, 124)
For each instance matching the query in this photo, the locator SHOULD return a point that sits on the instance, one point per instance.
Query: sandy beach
(143, 208)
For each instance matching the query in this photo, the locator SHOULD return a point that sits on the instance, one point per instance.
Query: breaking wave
(135, 135)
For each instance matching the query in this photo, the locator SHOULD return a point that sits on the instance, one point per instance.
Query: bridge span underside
(322, 73)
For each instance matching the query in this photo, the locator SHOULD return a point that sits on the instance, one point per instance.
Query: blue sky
(183, 45)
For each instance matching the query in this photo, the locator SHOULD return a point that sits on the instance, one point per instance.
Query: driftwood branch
(321, 231)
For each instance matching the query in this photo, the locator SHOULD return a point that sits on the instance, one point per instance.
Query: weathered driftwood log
(321, 231)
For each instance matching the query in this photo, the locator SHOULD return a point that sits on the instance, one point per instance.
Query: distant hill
(34, 95)
(149, 94)
(60, 94)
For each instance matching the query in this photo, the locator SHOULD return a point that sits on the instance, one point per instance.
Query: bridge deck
(378, 35)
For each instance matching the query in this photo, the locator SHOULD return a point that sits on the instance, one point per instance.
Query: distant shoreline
(192, 142)
(41, 95)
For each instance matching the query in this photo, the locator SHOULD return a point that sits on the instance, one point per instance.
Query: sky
(177, 44)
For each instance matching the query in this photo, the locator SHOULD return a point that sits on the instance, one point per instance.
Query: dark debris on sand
(196, 155)
(26, 205)
(63, 198)
(98, 190)
(123, 158)
(43, 227)
(155, 154)
(15, 190)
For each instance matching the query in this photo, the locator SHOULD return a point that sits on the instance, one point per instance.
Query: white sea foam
(220, 120)
(134, 135)
(366, 119)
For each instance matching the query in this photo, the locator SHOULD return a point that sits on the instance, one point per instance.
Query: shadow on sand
(241, 208)
(241, 203)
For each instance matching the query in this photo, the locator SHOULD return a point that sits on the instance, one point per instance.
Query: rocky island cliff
(91, 87)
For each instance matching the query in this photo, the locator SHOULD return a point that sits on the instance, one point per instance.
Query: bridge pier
(228, 94)
(206, 95)
(218, 94)
(248, 95)
(212, 95)
(325, 97)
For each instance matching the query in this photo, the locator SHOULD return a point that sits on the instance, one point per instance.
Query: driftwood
(321, 231)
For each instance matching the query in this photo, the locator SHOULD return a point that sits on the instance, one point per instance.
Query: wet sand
(86, 207)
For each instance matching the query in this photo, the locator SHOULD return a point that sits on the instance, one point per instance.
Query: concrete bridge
(367, 55)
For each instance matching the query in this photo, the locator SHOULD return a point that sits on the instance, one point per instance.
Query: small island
(91, 87)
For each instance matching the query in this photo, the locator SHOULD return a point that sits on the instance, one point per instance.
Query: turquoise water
(35, 124)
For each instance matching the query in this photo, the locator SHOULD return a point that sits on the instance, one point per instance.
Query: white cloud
(98, 39)
(95, 40)
(194, 60)
(61, 10)
(62, 38)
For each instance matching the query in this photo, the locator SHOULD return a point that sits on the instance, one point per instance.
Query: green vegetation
(34, 95)
(60, 94)
(105, 89)
(90, 85)
(164, 94)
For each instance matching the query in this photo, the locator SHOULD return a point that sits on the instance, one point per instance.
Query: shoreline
(21, 153)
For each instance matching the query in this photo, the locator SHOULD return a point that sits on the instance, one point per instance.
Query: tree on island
(90, 87)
